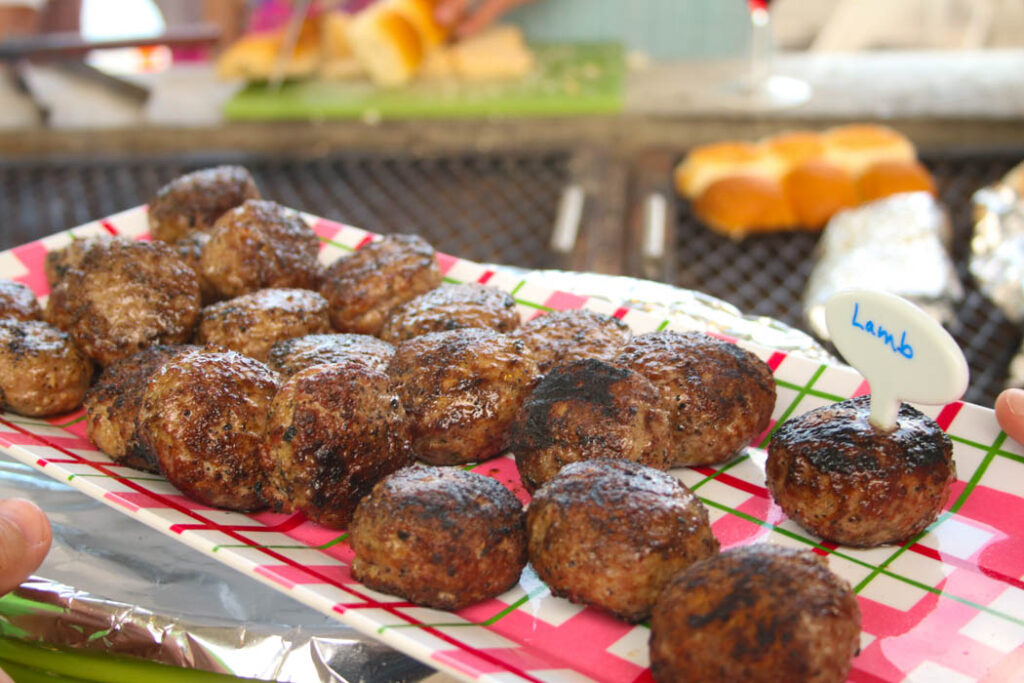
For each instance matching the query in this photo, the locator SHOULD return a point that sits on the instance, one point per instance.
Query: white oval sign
(902, 351)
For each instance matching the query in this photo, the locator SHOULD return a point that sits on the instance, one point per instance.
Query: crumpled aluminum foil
(113, 585)
(140, 593)
(997, 248)
(899, 244)
(997, 258)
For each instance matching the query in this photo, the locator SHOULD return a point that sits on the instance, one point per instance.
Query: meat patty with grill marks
(112, 405)
(718, 395)
(18, 302)
(759, 613)
(588, 409)
(460, 390)
(258, 245)
(124, 296)
(439, 536)
(612, 533)
(839, 477)
(196, 200)
(334, 431)
(564, 336)
(363, 288)
(59, 261)
(42, 372)
(293, 355)
(204, 418)
(253, 323)
(452, 307)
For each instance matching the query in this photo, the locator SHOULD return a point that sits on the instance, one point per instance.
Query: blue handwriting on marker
(904, 349)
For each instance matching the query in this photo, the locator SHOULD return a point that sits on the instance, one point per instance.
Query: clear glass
(762, 88)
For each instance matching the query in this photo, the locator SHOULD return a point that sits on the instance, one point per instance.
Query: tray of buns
(945, 604)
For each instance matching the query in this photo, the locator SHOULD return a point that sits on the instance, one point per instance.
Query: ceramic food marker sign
(904, 354)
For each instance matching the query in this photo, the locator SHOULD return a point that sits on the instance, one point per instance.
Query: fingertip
(29, 518)
(25, 538)
(1010, 413)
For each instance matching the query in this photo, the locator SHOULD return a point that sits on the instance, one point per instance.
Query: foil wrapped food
(114, 586)
(997, 248)
(997, 255)
(900, 244)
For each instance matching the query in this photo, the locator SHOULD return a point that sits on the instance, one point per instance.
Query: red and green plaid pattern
(948, 605)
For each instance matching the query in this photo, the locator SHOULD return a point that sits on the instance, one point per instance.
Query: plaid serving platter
(947, 605)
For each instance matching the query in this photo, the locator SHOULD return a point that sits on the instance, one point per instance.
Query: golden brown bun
(341, 69)
(816, 174)
(499, 53)
(387, 45)
(438, 65)
(707, 163)
(893, 177)
(816, 189)
(254, 57)
(795, 147)
(334, 27)
(858, 146)
(738, 205)
(420, 13)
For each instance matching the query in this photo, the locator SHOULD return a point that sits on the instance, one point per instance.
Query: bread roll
(334, 27)
(438, 65)
(795, 147)
(387, 45)
(254, 57)
(500, 53)
(420, 13)
(893, 177)
(816, 189)
(708, 163)
(799, 178)
(339, 61)
(858, 146)
(738, 205)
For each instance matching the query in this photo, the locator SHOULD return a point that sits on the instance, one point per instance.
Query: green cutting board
(568, 80)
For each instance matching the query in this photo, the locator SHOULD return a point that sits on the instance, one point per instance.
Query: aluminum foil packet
(997, 248)
(997, 254)
(900, 244)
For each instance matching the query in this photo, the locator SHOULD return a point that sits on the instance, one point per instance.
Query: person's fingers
(483, 17)
(449, 12)
(24, 541)
(1010, 413)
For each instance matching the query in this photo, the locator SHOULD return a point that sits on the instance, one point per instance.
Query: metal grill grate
(492, 208)
(766, 275)
(500, 208)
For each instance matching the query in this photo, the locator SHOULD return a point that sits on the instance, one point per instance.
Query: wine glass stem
(762, 45)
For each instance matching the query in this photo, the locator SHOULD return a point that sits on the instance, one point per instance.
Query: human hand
(466, 17)
(1010, 413)
(24, 541)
